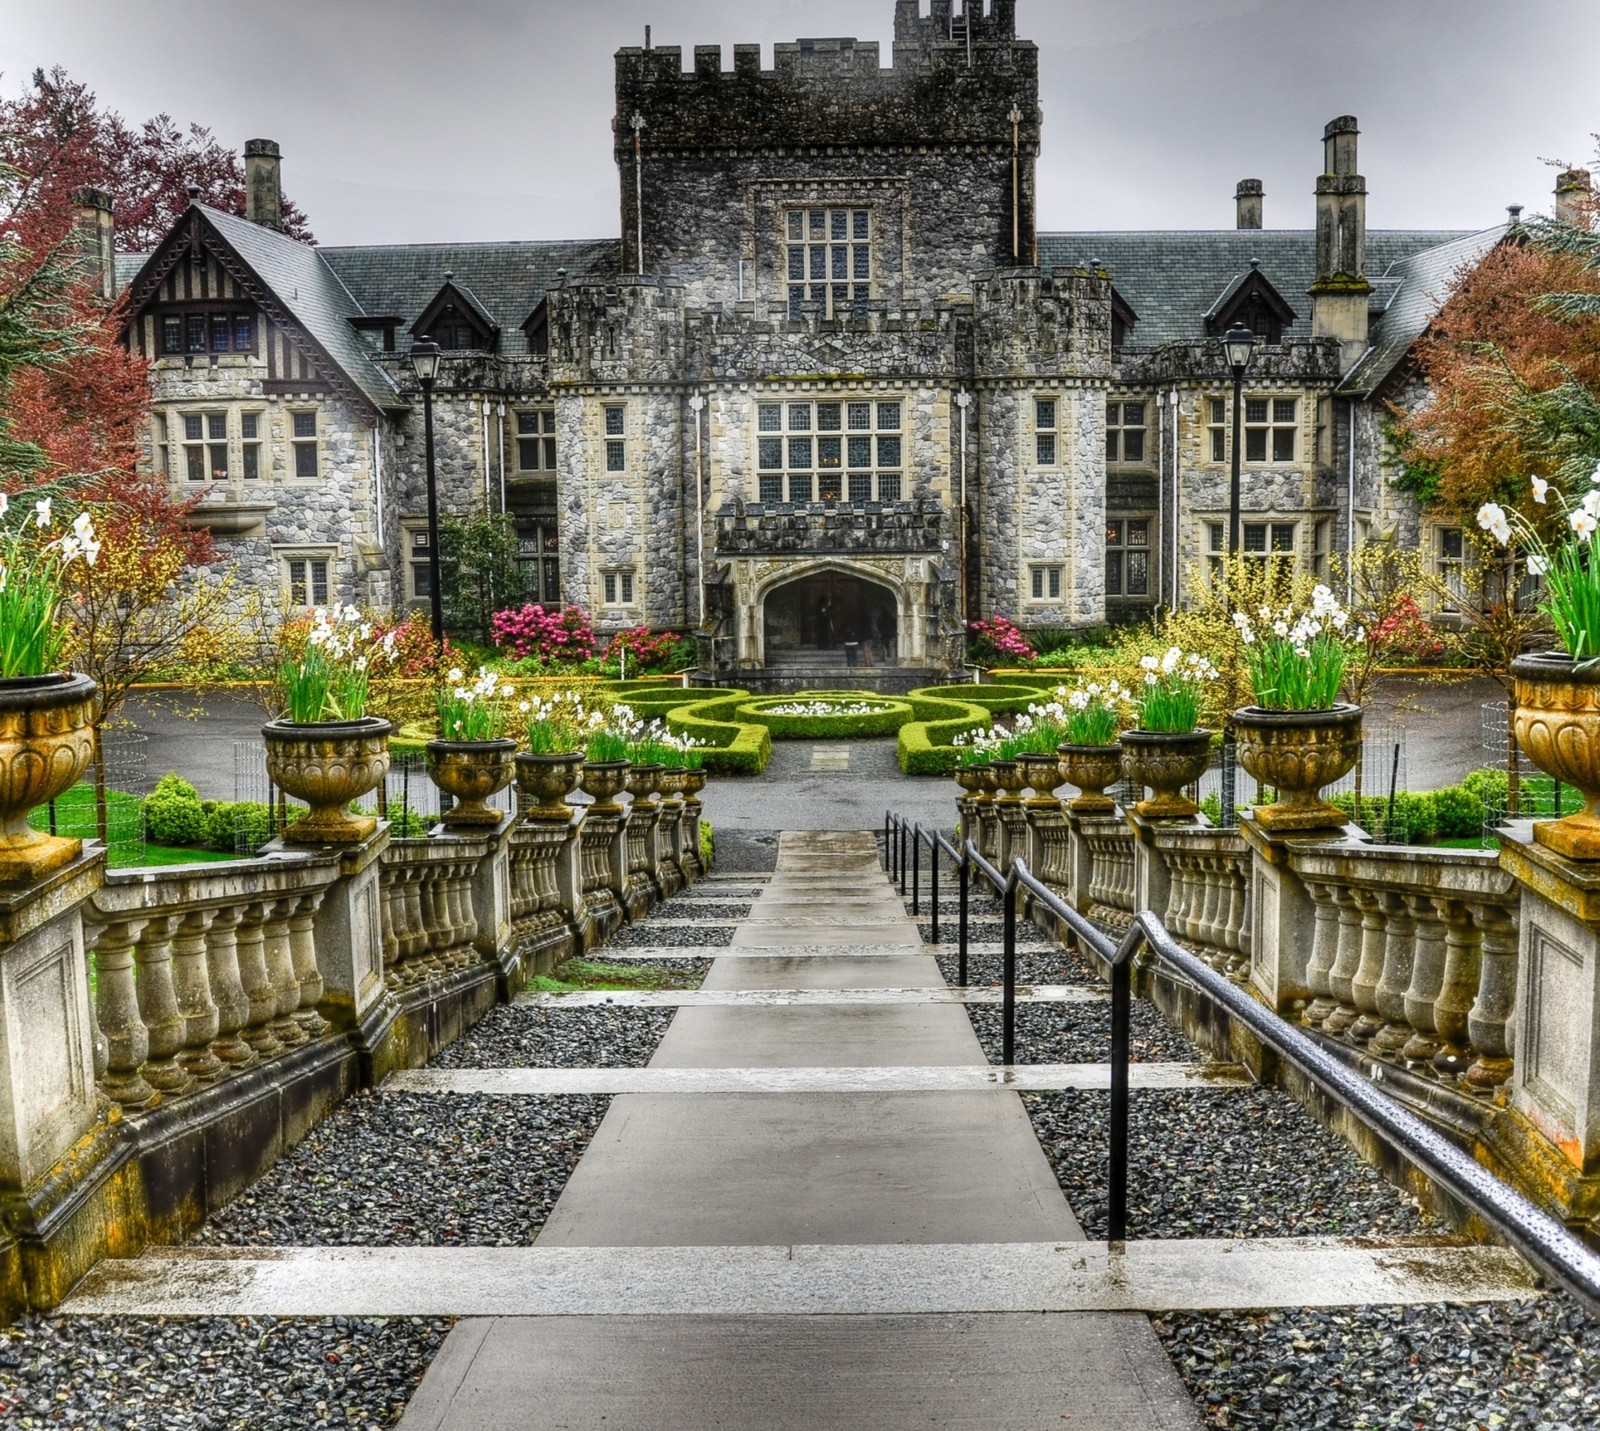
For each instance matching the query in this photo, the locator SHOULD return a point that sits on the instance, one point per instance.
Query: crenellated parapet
(1309, 361)
(752, 343)
(1033, 324)
(623, 330)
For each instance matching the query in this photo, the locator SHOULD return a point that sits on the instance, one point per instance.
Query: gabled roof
(506, 279)
(1252, 283)
(455, 294)
(1173, 278)
(307, 290)
(1420, 284)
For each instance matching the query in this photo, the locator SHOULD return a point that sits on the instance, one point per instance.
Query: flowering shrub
(1405, 631)
(475, 712)
(999, 638)
(1297, 659)
(1171, 700)
(32, 572)
(546, 634)
(646, 650)
(1569, 568)
(328, 680)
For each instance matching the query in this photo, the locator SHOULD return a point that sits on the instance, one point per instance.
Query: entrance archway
(831, 611)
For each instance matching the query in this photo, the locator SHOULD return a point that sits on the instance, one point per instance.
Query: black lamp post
(1238, 347)
(425, 355)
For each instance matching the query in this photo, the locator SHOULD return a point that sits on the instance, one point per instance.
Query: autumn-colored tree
(57, 134)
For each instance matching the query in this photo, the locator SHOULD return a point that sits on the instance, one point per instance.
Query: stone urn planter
(328, 764)
(694, 781)
(973, 781)
(603, 781)
(1091, 768)
(1010, 779)
(470, 771)
(1165, 762)
(1042, 773)
(1557, 724)
(672, 783)
(46, 743)
(544, 781)
(644, 782)
(1297, 753)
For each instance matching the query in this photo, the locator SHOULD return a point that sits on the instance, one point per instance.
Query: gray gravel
(212, 1373)
(417, 1169)
(1034, 966)
(743, 851)
(1237, 1162)
(1080, 1033)
(686, 970)
(648, 936)
(721, 910)
(529, 1036)
(986, 931)
(1510, 1365)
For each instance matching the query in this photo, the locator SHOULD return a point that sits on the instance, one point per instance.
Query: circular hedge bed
(826, 715)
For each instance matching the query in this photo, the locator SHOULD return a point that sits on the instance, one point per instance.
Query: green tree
(478, 571)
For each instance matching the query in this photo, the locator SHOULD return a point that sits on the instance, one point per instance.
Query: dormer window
(1252, 301)
(457, 321)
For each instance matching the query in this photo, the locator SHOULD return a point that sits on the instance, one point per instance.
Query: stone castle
(830, 395)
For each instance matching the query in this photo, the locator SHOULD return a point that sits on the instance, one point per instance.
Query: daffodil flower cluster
(1570, 570)
(475, 711)
(330, 680)
(1095, 711)
(826, 708)
(33, 572)
(1173, 683)
(559, 724)
(1297, 658)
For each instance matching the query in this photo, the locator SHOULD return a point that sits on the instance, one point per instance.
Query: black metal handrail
(1539, 1237)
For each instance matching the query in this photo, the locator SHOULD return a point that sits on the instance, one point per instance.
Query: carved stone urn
(1091, 768)
(1010, 780)
(46, 743)
(1165, 762)
(1557, 724)
(1042, 770)
(1297, 753)
(971, 779)
(694, 781)
(673, 781)
(470, 771)
(544, 781)
(328, 764)
(603, 781)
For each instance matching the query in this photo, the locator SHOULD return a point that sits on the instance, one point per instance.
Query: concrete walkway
(811, 1169)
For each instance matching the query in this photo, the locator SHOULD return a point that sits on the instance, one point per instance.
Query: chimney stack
(1339, 294)
(98, 227)
(263, 183)
(1573, 196)
(1247, 204)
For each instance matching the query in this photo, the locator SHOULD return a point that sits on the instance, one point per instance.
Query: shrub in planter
(173, 814)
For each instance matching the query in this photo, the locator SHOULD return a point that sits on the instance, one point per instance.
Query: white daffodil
(1541, 489)
(1583, 524)
(1149, 663)
(1492, 518)
(1537, 565)
(41, 512)
(454, 676)
(5, 504)
(1594, 477)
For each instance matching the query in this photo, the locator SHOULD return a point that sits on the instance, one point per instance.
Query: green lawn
(126, 849)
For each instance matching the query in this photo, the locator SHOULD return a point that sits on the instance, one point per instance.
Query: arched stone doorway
(831, 611)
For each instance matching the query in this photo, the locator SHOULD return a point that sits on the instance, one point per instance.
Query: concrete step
(783, 998)
(861, 1280)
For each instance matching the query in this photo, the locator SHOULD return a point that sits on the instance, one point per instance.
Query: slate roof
(1422, 282)
(1173, 278)
(507, 279)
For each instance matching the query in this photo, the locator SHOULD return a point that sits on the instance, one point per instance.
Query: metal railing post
(933, 884)
(1008, 997)
(1121, 1011)
(902, 858)
(888, 826)
(916, 868)
(961, 947)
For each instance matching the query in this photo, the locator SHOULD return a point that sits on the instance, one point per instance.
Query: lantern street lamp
(1238, 347)
(425, 355)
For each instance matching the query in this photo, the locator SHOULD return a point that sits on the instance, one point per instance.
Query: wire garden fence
(74, 813)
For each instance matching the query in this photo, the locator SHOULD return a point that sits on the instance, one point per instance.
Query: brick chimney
(1339, 294)
(263, 183)
(1247, 204)
(1573, 195)
(98, 228)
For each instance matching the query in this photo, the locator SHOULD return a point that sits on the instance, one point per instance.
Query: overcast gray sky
(415, 120)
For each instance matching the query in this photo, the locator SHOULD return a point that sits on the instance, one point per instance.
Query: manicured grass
(578, 975)
(126, 849)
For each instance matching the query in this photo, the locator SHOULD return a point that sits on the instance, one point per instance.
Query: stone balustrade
(166, 1034)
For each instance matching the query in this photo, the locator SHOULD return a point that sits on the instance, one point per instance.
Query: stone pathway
(818, 1206)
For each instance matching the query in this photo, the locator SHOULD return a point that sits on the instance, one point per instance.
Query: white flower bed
(825, 708)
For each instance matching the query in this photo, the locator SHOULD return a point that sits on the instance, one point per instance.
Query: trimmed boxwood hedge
(997, 700)
(889, 716)
(925, 747)
(735, 747)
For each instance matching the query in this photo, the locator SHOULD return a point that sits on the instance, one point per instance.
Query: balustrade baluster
(227, 988)
(1324, 941)
(388, 886)
(1364, 984)
(1459, 987)
(117, 1007)
(417, 932)
(1427, 979)
(285, 1024)
(1346, 960)
(303, 954)
(158, 1007)
(258, 990)
(1489, 1020)
(191, 982)
(1399, 958)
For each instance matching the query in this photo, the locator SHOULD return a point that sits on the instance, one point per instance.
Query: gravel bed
(687, 970)
(212, 1373)
(1080, 1033)
(417, 1169)
(744, 851)
(533, 1036)
(1034, 966)
(1221, 1162)
(701, 909)
(1507, 1364)
(648, 936)
(986, 931)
